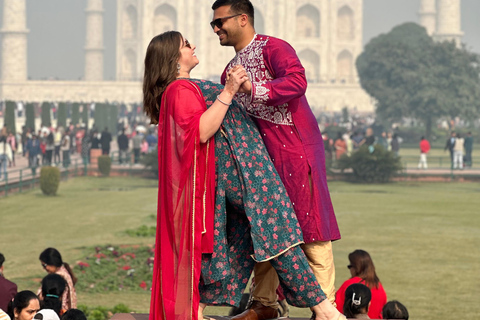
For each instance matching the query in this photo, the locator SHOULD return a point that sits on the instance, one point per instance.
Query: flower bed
(115, 269)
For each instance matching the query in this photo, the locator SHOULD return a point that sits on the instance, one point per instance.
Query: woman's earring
(178, 68)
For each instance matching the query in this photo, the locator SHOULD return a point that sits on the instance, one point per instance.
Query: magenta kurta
(290, 131)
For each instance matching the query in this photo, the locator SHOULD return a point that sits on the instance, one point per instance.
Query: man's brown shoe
(257, 311)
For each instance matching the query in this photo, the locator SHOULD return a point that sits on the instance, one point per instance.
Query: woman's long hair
(52, 257)
(362, 263)
(20, 302)
(357, 297)
(161, 62)
(53, 286)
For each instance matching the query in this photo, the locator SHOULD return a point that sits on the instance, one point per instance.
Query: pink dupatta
(186, 195)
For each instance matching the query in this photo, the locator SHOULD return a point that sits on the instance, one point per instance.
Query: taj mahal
(327, 35)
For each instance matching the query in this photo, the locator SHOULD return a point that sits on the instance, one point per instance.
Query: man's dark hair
(2, 260)
(237, 7)
(73, 314)
(394, 310)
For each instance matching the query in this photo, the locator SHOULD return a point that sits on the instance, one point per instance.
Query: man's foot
(257, 311)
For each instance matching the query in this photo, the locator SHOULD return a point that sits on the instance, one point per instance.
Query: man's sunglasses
(220, 21)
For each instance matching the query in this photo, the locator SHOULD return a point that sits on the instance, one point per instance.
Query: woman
(340, 146)
(192, 151)
(363, 271)
(52, 262)
(357, 301)
(24, 306)
(53, 287)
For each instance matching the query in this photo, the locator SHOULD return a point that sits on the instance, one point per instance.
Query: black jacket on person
(122, 141)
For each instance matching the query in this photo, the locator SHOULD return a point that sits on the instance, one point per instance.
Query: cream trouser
(320, 258)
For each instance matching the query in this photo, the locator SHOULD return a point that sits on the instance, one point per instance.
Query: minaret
(94, 41)
(448, 21)
(14, 41)
(427, 15)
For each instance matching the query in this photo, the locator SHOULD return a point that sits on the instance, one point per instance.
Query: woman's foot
(326, 311)
(201, 307)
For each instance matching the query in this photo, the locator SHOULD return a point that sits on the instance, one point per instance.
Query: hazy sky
(57, 32)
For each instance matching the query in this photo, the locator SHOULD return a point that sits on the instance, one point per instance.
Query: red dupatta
(186, 195)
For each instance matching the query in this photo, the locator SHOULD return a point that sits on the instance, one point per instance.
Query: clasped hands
(238, 81)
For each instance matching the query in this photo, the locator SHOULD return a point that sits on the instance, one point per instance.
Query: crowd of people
(54, 146)
(349, 142)
(55, 299)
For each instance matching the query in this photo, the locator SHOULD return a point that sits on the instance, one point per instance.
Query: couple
(213, 160)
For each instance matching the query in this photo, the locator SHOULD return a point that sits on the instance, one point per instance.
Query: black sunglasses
(220, 21)
(44, 265)
(187, 44)
(349, 266)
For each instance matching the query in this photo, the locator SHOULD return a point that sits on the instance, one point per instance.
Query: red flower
(126, 267)
(143, 285)
(83, 265)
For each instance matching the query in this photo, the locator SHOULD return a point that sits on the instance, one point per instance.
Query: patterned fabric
(260, 222)
(289, 129)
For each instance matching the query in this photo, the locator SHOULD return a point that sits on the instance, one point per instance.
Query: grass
(424, 237)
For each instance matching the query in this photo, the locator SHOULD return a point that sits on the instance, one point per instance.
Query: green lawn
(424, 237)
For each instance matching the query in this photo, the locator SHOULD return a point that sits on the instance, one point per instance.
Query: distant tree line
(410, 75)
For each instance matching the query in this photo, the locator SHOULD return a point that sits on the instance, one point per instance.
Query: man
(8, 289)
(122, 141)
(275, 98)
(424, 149)
(65, 147)
(450, 145)
(105, 140)
(468, 144)
(137, 144)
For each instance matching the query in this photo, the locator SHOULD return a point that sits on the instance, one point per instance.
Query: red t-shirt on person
(379, 298)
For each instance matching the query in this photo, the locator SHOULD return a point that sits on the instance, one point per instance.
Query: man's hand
(246, 87)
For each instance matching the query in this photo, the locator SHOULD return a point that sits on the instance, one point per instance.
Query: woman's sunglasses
(220, 21)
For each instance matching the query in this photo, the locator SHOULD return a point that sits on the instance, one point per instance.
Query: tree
(112, 119)
(75, 113)
(30, 116)
(410, 75)
(9, 117)
(46, 118)
(62, 115)
(85, 110)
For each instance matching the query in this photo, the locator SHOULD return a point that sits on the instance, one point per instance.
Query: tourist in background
(8, 289)
(13, 146)
(105, 140)
(395, 144)
(5, 156)
(424, 149)
(357, 301)
(340, 146)
(65, 147)
(450, 145)
(468, 144)
(24, 306)
(137, 145)
(122, 141)
(458, 152)
(394, 310)
(52, 262)
(362, 271)
(53, 287)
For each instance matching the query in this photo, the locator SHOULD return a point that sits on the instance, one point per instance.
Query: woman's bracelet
(227, 104)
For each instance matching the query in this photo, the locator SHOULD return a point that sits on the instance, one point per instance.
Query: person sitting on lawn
(357, 301)
(394, 310)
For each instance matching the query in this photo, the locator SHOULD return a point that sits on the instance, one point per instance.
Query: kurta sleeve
(290, 82)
